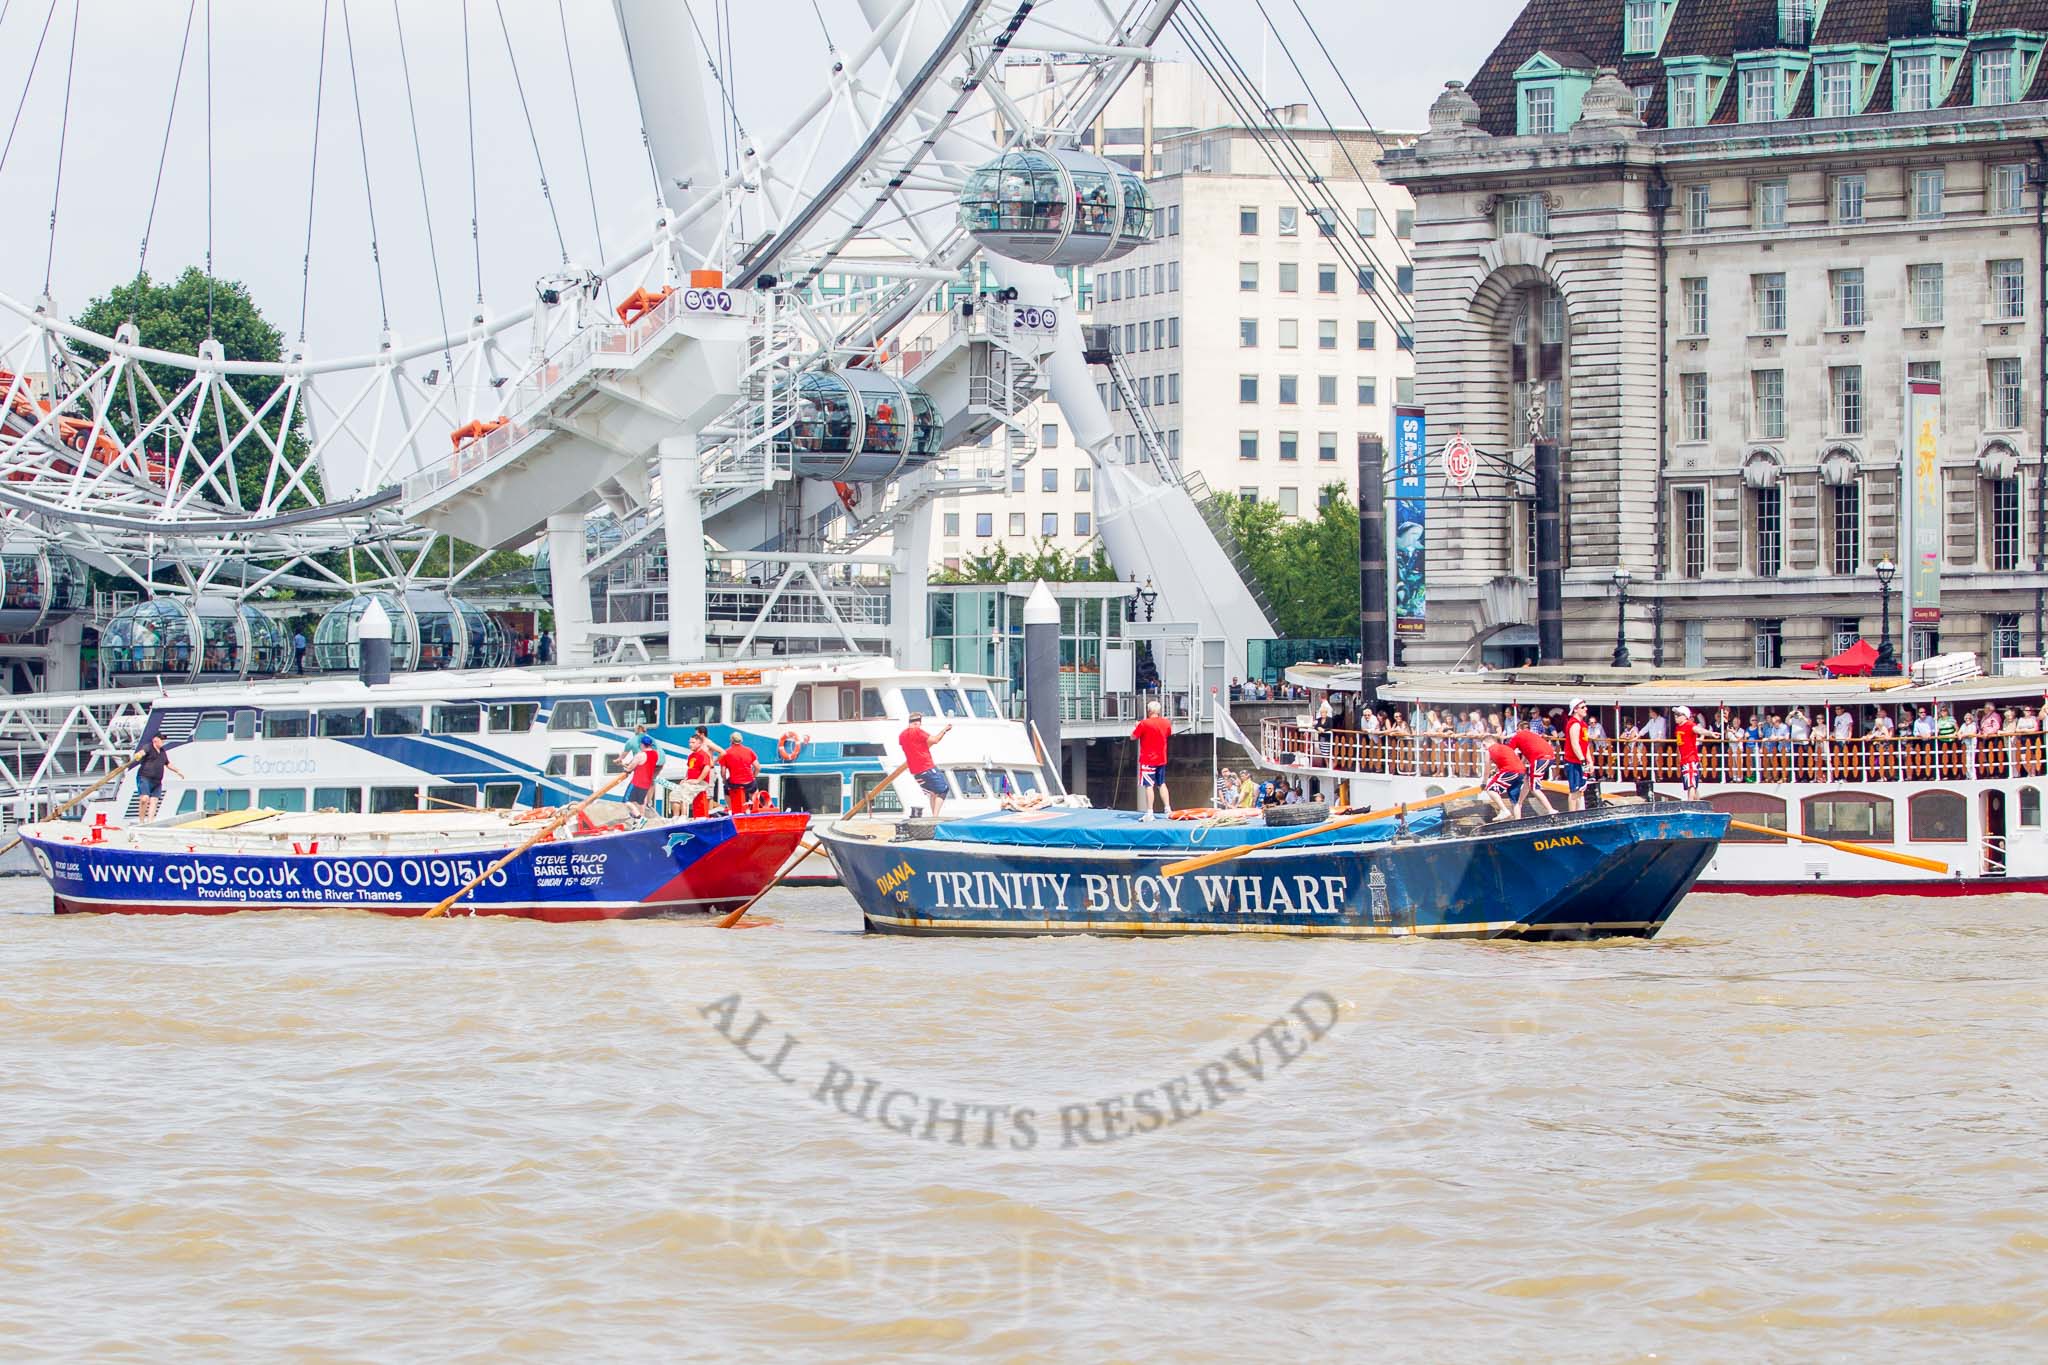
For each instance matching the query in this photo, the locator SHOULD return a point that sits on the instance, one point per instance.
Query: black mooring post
(1549, 554)
(1375, 641)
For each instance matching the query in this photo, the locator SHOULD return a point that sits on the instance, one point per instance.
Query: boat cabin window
(392, 800)
(630, 711)
(2030, 808)
(813, 793)
(999, 782)
(982, 702)
(224, 798)
(917, 699)
(449, 796)
(511, 717)
(245, 725)
(949, 701)
(563, 763)
(287, 724)
(968, 780)
(347, 800)
(462, 718)
(799, 708)
(1937, 817)
(572, 715)
(210, 725)
(871, 707)
(346, 724)
(849, 703)
(1753, 807)
(688, 712)
(1849, 815)
(398, 720)
(282, 798)
(501, 795)
(1027, 782)
(753, 708)
(888, 803)
(188, 803)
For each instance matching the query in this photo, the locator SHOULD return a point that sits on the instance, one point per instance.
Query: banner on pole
(1411, 521)
(1923, 501)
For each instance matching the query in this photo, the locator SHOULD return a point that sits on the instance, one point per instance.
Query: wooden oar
(1187, 865)
(1881, 854)
(544, 832)
(76, 799)
(812, 846)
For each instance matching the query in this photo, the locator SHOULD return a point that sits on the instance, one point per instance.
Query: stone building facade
(1711, 239)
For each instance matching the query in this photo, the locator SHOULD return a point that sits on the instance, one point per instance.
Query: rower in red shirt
(740, 765)
(1504, 787)
(1536, 752)
(1152, 734)
(1578, 753)
(698, 771)
(916, 744)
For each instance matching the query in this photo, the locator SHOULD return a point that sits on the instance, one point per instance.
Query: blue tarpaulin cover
(1120, 829)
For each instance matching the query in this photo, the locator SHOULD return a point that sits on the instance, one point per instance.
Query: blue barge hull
(1612, 872)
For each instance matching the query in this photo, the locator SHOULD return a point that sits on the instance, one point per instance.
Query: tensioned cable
(313, 176)
(163, 155)
(646, 143)
(363, 146)
(27, 82)
(63, 137)
(426, 208)
(209, 169)
(476, 244)
(717, 77)
(576, 99)
(532, 134)
(1373, 132)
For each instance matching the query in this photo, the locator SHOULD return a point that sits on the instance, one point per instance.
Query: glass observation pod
(1056, 207)
(860, 425)
(38, 586)
(208, 638)
(429, 630)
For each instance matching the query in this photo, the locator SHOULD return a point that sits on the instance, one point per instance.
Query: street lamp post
(1621, 659)
(1887, 665)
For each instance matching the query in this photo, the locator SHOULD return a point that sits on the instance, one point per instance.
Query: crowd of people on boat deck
(1240, 690)
(1902, 741)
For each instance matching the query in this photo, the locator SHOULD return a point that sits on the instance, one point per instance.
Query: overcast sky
(1396, 56)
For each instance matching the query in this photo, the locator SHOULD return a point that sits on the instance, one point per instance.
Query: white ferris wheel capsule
(1056, 207)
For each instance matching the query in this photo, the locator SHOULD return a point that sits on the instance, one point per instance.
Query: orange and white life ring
(790, 745)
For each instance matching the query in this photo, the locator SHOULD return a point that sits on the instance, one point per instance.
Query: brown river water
(1788, 1129)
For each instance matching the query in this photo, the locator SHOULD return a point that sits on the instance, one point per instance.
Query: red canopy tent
(1857, 661)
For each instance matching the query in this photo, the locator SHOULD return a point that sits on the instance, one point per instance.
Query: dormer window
(1539, 110)
(1760, 94)
(1643, 20)
(1998, 76)
(1693, 90)
(1549, 87)
(1915, 76)
(1836, 92)
(1685, 101)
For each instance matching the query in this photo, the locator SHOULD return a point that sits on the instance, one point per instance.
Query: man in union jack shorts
(1504, 787)
(1688, 732)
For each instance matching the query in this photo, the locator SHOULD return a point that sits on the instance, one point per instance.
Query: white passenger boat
(1973, 803)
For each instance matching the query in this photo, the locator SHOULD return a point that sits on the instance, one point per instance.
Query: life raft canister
(790, 745)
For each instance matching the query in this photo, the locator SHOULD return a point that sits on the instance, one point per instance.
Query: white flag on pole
(1224, 726)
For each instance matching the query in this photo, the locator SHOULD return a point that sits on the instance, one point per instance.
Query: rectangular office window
(1837, 98)
(984, 523)
(1048, 480)
(1326, 334)
(1845, 393)
(1368, 222)
(1695, 291)
(1768, 504)
(1084, 479)
(1368, 279)
(952, 523)
(1247, 332)
(1049, 524)
(1247, 445)
(1998, 76)
(1173, 387)
(1767, 295)
(1290, 277)
(1692, 532)
(1290, 220)
(1699, 204)
(1173, 331)
(1692, 407)
(1173, 277)
(1290, 334)
(1523, 213)
(1017, 521)
(2008, 191)
(1767, 204)
(1247, 388)
(1368, 334)
(1404, 278)
(1290, 502)
(1248, 221)
(2008, 290)
(1930, 187)
(1326, 390)
(1290, 445)
(2005, 524)
(1915, 83)
(1083, 524)
(1770, 644)
(1404, 223)
(1326, 279)
(1847, 523)
(1049, 435)
(1404, 390)
(1926, 285)
(1845, 298)
(1767, 393)
(1368, 392)
(1326, 447)
(1290, 390)
(1247, 275)
(1247, 493)
(1848, 199)
(2008, 410)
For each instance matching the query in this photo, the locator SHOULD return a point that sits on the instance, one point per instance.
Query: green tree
(1308, 567)
(173, 316)
(1047, 562)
